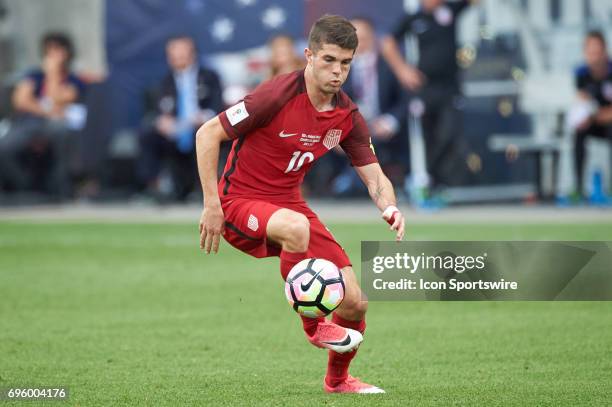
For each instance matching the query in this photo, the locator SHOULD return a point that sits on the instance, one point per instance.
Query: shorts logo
(332, 138)
(253, 223)
(237, 113)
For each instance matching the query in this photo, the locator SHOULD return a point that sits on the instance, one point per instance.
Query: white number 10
(295, 167)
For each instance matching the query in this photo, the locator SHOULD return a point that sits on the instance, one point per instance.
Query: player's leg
(351, 315)
(355, 304)
(263, 229)
(292, 230)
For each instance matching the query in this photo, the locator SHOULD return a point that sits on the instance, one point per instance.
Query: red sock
(338, 363)
(288, 260)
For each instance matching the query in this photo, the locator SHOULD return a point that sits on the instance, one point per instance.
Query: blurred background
(92, 108)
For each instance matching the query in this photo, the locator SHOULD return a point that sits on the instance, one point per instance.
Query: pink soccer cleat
(352, 385)
(336, 338)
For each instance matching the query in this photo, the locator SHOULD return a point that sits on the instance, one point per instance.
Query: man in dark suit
(382, 102)
(187, 97)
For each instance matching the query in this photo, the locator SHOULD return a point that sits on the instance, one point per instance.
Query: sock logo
(306, 286)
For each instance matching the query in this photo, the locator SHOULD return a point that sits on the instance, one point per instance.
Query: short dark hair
(596, 35)
(58, 39)
(335, 30)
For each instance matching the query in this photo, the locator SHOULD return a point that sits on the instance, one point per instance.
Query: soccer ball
(314, 287)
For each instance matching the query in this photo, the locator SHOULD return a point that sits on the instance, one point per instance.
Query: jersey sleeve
(256, 110)
(358, 145)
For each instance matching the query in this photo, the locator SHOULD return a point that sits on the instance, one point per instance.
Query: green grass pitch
(135, 314)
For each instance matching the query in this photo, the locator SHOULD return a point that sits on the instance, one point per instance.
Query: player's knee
(298, 231)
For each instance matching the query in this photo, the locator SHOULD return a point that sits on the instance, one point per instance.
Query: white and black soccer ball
(314, 287)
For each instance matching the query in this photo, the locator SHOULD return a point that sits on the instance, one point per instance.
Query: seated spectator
(187, 97)
(382, 102)
(283, 58)
(593, 115)
(46, 120)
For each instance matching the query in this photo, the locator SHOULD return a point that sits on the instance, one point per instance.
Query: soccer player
(279, 131)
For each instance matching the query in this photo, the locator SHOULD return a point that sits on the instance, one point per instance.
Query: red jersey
(279, 135)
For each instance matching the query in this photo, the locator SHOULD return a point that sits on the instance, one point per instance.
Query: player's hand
(212, 224)
(394, 217)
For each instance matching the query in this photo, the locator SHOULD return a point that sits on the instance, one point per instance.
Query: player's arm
(358, 147)
(255, 111)
(208, 140)
(381, 192)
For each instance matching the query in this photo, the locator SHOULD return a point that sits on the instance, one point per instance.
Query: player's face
(330, 66)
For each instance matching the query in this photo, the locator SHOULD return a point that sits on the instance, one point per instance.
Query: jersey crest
(332, 138)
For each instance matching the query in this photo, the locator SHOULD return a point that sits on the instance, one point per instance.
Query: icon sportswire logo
(306, 286)
(283, 134)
